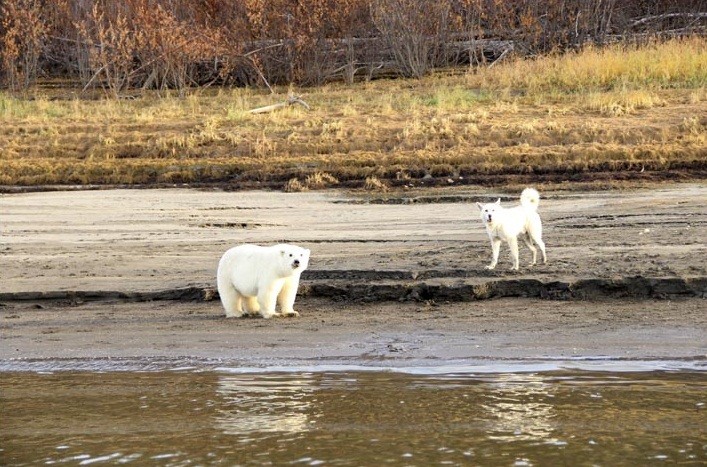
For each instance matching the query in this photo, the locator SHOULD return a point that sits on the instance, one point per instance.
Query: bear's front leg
(252, 305)
(267, 297)
(287, 295)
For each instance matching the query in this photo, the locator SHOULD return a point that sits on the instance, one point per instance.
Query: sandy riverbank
(390, 283)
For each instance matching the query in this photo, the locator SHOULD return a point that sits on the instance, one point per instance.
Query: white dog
(506, 224)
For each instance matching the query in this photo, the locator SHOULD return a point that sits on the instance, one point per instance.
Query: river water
(485, 415)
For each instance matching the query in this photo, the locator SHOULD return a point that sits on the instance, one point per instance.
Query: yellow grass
(598, 110)
(679, 63)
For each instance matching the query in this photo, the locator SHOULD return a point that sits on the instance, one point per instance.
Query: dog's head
(489, 211)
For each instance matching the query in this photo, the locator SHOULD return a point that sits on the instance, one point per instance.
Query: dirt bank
(123, 273)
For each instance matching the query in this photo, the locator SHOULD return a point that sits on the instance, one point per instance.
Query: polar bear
(260, 276)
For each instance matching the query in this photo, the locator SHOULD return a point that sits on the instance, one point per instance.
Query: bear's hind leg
(232, 301)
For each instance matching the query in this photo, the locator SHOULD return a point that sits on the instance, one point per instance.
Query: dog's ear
(498, 201)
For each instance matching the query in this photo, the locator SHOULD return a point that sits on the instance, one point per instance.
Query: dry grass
(595, 111)
(373, 183)
(316, 181)
(680, 63)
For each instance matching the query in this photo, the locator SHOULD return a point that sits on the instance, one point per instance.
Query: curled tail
(530, 198)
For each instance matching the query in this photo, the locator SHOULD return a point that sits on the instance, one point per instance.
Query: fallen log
(291, 100)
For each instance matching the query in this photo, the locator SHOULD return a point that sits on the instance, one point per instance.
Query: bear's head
(293, 259)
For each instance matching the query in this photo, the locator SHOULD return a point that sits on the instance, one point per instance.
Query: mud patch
(231, 225)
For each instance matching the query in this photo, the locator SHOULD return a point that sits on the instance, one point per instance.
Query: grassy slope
(553, 119)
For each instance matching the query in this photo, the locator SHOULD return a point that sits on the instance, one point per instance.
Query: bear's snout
(295, 263)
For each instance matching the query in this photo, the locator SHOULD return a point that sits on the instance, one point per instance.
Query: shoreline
(391, 335)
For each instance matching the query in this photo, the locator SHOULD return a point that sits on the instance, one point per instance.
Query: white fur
(258, 277)
(506, 224)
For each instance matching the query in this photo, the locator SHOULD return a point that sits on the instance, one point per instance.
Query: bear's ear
(282, 252)
(498, 201)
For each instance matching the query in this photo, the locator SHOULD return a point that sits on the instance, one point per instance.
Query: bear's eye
(290, 255)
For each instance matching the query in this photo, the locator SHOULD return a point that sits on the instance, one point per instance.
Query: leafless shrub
(22, 38)
(415, 31)
(112, 45)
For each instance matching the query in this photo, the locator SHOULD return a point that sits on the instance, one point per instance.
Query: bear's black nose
(296, 262)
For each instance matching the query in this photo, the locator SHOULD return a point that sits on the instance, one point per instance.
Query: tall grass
(676, 63)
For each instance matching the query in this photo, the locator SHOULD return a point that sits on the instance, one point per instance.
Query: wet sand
(130, 273)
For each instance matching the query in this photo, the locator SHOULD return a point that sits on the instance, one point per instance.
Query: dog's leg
(528, 241)
(539, 242)
(535, 232)
(496, 249)
(513, 246)
(542, 249)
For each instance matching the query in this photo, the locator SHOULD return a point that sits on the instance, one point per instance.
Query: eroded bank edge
(390, 289)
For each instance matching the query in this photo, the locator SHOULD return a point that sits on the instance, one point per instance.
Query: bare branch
(650, 19)
(503, 55)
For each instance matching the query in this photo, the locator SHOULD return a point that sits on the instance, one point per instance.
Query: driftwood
(687, 16)
(290, 101)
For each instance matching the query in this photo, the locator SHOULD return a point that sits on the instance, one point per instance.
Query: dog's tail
(530, 198)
